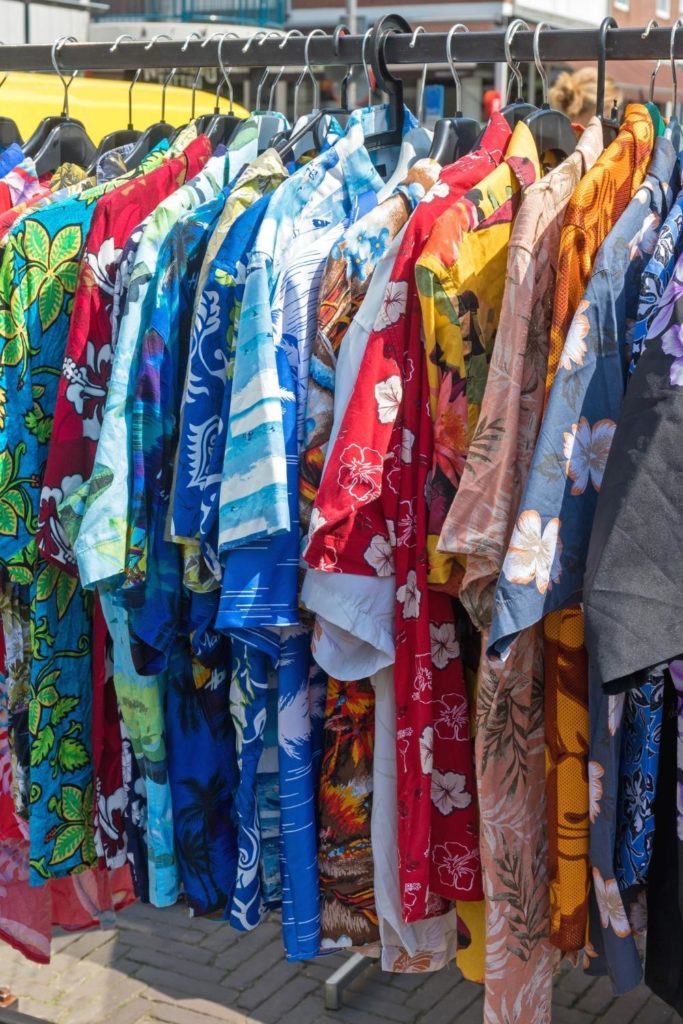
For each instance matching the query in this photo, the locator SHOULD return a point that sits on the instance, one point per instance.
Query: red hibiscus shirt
(372, 511)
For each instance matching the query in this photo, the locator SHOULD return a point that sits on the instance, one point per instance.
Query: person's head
(575, 93)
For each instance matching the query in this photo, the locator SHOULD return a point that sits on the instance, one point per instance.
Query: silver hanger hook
(451, 64)
(309, 69)
(112, 49)
(265, 34)
(423, 77)
(365, 65)
(56, 47)
(513, 28)
(271, 98)
(183, 48)
(678, 23)
(537, 59)
(150, 44)
(3, 43)
(294, 32)
(652, 23)
(226, 73)
(195, 81)
(260, 32)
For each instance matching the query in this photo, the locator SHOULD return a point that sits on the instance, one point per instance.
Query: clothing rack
(400, 48)
(426, 48)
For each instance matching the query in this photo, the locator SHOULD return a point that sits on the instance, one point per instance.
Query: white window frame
(663, 8)
(624, 5)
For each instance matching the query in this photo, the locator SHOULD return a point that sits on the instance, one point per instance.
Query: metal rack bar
(428, 48)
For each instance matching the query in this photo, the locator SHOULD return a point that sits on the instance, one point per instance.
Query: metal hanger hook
(309, 69)
(678, 23)
(513, 28)
(271, 97)
(300, 35)
(423, 77)
(365, 65)
(538, 62)
(112, 49)
(150, 44)
(265, 34)
(257, 35)
(226, 73)
(195, 81)
(183, 48)
(652, 23)
(3, 43)
(451, 64)
(56, 47)
(606, 24)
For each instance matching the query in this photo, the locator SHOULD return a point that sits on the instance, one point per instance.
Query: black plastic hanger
(552, 130)
(610, 125)
(66, 141)
(454, 136)
(35, 143)
(9, 131)
(122, 136)
(519, 109)
(388, 83)
(159, 131)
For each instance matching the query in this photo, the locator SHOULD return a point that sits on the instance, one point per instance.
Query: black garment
(633, 590)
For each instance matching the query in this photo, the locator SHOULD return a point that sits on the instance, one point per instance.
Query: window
(623, 5)
(663, 8)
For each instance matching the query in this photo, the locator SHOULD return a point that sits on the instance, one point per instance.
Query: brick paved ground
(158, 966)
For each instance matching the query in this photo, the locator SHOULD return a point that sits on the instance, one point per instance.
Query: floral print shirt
(460, 277)
(367, 521)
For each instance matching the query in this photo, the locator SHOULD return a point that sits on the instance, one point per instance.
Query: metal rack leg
(337, 982)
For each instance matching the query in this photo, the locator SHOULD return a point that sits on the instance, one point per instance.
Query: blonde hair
(576, 94)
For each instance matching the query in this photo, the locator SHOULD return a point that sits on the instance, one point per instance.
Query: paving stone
(656, 1012)
(218, 1009)
(376, 1005)
(177, 1015)
(129, 1013)
(220, 939)
(41, 1011)
(598, 997)
(88, 942)
(625, 1009)
(174, 964)
(460, 1008)
(188, 949)
(288, 998)
(307, 1011)
(254, 969)
(561, 1015)
(575, 980)
(273, 982)
(160, 986)
(563, 997)
(110, 954)
(440, 984)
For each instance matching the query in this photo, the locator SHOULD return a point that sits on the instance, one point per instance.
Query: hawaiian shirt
(203, 415)
(255, 498)
(656, 277)
(345, 281)
(19, 185)
(87, 360)
(10, 157)
(598, 201)
(559, 502)
(367, 521)
(460, 278)
(509, 749)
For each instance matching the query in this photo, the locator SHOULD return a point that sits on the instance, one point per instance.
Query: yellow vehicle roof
(100, 103)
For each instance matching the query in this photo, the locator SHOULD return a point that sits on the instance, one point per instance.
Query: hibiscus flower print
(104, 264)
(534, 552)
(439, 190)
(388, 395)
(595, 774)
(449, 792)
(407, 443)
(407, 521)
(409, 596)
(445, 646)
(422, 686)
(586, 450)
(452, 717)
(360, 472)
(87, 386)
(610, 905)
(317, 521)
(393, 305)
(457, 866)
(672, 344)
(380, 556)
(426, 749)
(575, 348)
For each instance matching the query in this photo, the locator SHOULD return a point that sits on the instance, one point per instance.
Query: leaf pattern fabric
(509, 747)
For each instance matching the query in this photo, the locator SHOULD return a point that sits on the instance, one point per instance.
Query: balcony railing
(246, 12)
